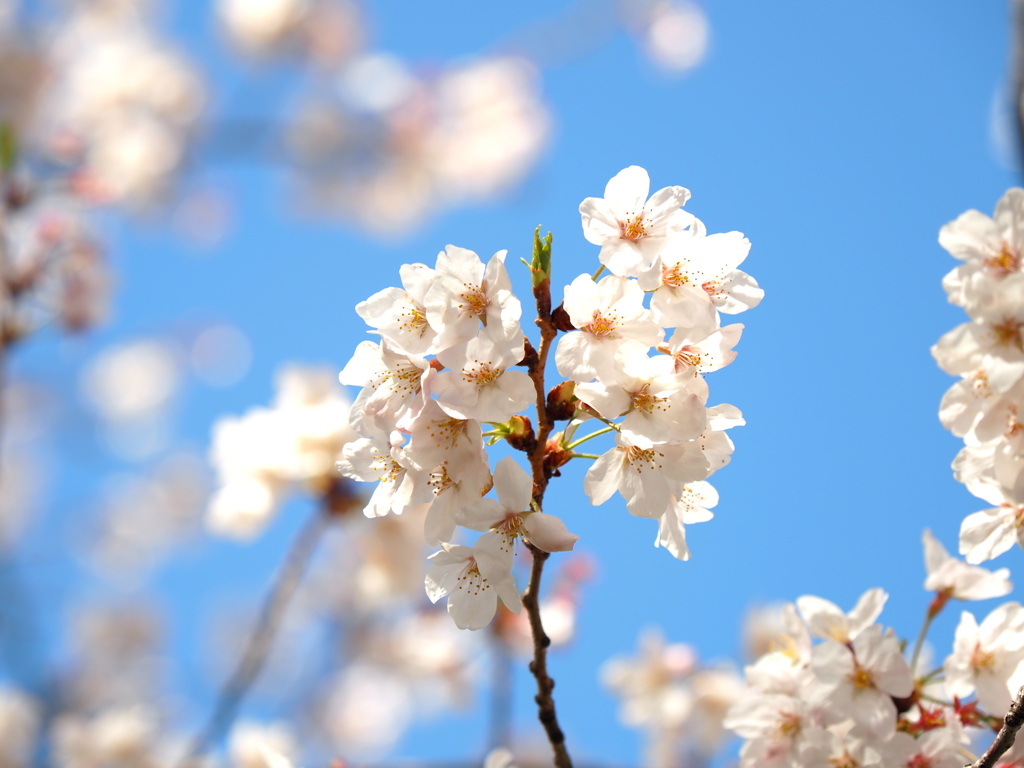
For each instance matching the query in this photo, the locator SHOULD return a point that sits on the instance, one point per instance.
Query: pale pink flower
(986, 658)
(630, 228)
(399, 314)
(826, 620)
(948, 575)
(473, 578)
(608, 314)
(480, 384)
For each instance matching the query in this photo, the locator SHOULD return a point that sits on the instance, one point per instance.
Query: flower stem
(598, 273)
(584, 439)
(574, 455)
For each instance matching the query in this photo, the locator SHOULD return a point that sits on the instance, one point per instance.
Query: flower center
(712, 288)
(471, 580)
(384, 464)
(673, 276)
(648, 403)
(789, 724)
(439, 480)
(474, 301)
(1008, 334)
(483, 375)
(1005, 261)
(511, 525)
(640, 458)
(861, 678)
(633, 228)
(412, 320)
(601, 326)
(982, 660)
(979, 382)
(447, 433)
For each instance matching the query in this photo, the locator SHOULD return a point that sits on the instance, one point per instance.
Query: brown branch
(531, 598)
(1007, 734)
(261, 638)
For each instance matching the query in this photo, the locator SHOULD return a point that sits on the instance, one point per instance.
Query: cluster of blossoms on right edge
(854, 700)
(987, 352)
(442, 379)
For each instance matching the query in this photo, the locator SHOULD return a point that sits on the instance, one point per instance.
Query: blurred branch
(261, 638)
(1007, 734)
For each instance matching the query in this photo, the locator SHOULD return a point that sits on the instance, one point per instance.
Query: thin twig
(531, 598)
(1007, 734)
(260, 639)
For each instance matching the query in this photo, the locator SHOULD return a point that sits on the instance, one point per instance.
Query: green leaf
(541, 265)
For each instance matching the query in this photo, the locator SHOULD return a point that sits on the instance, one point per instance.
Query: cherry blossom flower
(439, 438)
(696, 352)
(991, 532)
(465, 294)
(658, 403)
(480, 385)
(395, 386)
(986, 658)
(510, 516)
(990, 247)
(992, 340)
(646, 477)
(401, 483)
(937, 748)
(450, 496)
(862, 683)
(608, 314)
(692, 505)
(630, 228)
(400, 314)
(694, 276)
(473, 578)
(949, 576)
(826, 620)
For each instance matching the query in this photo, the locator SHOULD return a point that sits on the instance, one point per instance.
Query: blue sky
(838, 137)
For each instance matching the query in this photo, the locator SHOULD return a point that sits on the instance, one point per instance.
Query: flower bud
(561, 404)
(555, 456)
(561, 320)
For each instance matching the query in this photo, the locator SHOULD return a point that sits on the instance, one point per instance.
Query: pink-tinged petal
(573, 357)
(626, 192)
(416, 279)
(509, 594)
(445, 568)
(824, 618)
(513, 485)
(832, 662)
(549, 533)
(494, 553)
(959, 351)
(377, 306)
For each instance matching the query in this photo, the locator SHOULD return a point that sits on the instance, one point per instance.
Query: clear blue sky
(838, 137)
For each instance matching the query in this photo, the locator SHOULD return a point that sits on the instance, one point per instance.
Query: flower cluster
(258, 457)
(855, 700)
(450, 340)
(987, 352)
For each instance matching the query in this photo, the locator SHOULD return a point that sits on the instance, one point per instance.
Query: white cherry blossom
(991, 532)
(395, 387)
(826, 620)
(692, 505)
(473, 578)
(465, 294)
(696, 352)
(694, 276)
(400, 483)
(646, 477)
(451, 495)
(991, 248)
(480, 384)
(992, 340)
(399, 314)
(510, 516)
(658, 404)
(630, 228)
(439, 438)
(986, 658)
(861, 684)
(950, 576)
(608, 314)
